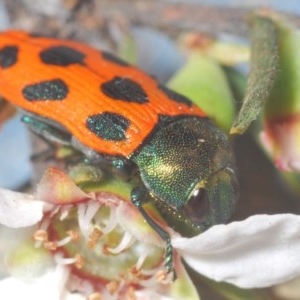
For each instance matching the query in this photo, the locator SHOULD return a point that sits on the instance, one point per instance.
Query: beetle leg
(123, 168)
(139, 196)
(48, 133)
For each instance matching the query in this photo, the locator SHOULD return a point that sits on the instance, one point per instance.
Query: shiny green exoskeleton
(187, 170)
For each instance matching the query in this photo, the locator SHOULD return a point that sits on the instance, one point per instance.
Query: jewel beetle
(127, 123)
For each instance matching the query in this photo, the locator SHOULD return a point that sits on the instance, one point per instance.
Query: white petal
(261, 251)
(9, 239)
(26, 262)
(150, 295)
(19, 210)
(73, 296)
(51, 286)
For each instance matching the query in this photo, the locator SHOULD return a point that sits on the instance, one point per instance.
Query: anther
(73, 234)
(94, 238)
(94, 296)
(52, 246)
(130, 294)
(40, 235)
(105, 250)
(163, 277)
(79, 261)
(135, 272)
(112, 287)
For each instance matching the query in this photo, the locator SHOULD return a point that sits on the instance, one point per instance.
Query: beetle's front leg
(48, 133)
(139, 196)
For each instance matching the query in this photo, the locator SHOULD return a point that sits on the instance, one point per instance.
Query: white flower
(260, 251)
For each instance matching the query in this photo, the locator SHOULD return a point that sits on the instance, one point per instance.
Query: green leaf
(284, 100)
(226, 53)
(231, 292)
(183, 287)
(203, 81)
(237, 82)
(263, 71)
(127, 49)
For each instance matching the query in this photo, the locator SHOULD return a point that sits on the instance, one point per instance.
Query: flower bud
(281, 121)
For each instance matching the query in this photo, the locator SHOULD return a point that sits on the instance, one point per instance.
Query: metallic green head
(188, 169)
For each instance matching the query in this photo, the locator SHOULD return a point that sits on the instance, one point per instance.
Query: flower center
(90, 238)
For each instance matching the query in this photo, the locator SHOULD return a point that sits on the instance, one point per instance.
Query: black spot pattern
(108, 126)
(8, 56)
(175, 96)
(113, 58)
(121, 88)
(62, 56)
(54, 89)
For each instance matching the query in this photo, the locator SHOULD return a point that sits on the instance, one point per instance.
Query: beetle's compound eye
(197, 208)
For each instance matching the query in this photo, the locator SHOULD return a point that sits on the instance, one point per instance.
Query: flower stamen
(112, 222)
(154, 276)
(72, 235)
(86, 212)
(64, 261)
(126, 242)
(135, 272)
(150, 282)
(94, 238)
(163, 277)
(94, 296)
(113, 287)
(78, 260)
(40, 235)
(64, 241)
(130, 294)
(141, 260)
(64, 212)
(52, 246)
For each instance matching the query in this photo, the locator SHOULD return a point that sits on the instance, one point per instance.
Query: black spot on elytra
(113, 58)
(8, 56)
(54, 89)
(121, 88)
(175, 96)
(108, 126)
(62, 56)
